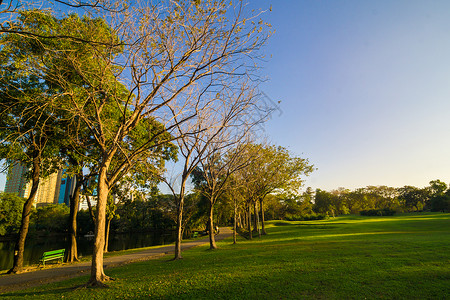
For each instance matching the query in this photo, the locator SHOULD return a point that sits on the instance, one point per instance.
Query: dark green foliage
(413, 198)
(279, 207)
(11, 207)
(51, 218)
(84, 222)
(195, 213)
(440, 196)
(310, 217)
(142, 215)
(441, 202)
(334, 203)
(378, 212)
(383, 200)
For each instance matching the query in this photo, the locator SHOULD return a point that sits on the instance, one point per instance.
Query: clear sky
(364, 89)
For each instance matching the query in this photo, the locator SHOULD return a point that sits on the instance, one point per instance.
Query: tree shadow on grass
(311, 226)
(49, 292)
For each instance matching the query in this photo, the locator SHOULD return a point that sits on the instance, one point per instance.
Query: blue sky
(364, 89)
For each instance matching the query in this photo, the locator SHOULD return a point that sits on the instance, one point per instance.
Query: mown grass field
(349, 257)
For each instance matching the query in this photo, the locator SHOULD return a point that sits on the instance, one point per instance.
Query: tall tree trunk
(235, 222)
(250, 235)
(212, 240)
(72, 251)
(97, 273)
(262, 216)
(179, 227)
(105, 250)
(23, 231)
(257, 218)
(91, 212)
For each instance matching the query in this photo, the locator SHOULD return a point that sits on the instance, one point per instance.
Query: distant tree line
(156, 211)
(435, 197)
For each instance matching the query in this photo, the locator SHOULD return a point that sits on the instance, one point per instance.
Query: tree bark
(91, 212)
(235, 222)
(72, 249)
(179, 227)
(97, 273)
(212, 240)
(257, 218)
(249, 224)
(19, 248)
(262, 217)
(105, 250)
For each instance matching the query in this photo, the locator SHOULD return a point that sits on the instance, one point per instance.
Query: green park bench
(51, 255)
(195, 234)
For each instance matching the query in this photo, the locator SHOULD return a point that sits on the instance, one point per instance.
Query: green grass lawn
(399, 257)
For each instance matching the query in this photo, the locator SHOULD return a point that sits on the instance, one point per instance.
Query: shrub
(309, 217)
(378, 212)
(51, 218)
(440, 203)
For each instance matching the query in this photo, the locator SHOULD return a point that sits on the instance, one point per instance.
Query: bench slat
(54, 254)
(60, 251)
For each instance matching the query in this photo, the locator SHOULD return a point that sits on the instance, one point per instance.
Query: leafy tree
(440, 196)
(143, 214)
(413, 198)
(323, 201)
(28, 122)
(234, 191)
(11, 8)
(11, 207)
(272, 170)
(437, 187)
(51, 218)
(213, 176)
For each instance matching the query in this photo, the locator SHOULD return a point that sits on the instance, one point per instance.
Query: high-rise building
(51, 190)
(48, 190)
(16, 181)
(66, 188)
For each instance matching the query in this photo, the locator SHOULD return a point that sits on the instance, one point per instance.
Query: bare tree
(179, 55)
(200, 137)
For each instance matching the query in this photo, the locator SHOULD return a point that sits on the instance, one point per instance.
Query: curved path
(13, 282)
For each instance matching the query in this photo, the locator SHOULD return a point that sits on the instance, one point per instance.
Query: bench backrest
(54, 253)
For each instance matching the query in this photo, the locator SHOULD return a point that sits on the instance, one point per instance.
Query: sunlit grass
(349, 257)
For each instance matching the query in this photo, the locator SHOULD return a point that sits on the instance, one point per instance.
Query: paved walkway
(13, 282)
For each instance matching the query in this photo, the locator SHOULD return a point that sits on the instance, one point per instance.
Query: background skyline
(364, 89)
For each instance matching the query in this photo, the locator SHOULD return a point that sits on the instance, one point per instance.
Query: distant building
(66, 188)
(16, 181)
(48, 190)
(83, 202)
(53, 189)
